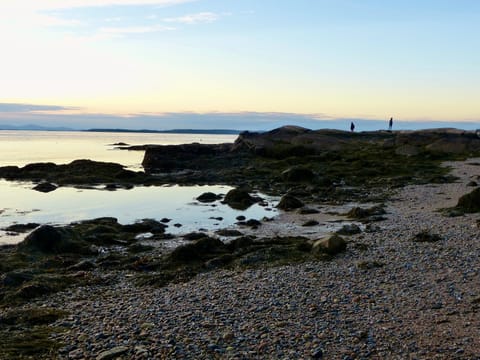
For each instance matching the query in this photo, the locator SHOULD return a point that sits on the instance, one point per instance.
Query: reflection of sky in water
(61, 147)
(21, 204)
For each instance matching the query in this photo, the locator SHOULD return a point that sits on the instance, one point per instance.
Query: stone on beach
(331, 245)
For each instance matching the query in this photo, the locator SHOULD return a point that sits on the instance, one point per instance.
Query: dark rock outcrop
(45, 187)
(289, 202)
(208, 197)
(240, 199)
(469, 203)
(50, 240)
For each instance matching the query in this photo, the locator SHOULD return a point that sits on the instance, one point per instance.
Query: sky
(164, 64)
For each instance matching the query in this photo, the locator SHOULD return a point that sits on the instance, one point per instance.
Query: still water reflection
(21, 204)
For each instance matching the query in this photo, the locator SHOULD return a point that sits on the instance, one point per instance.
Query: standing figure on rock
(390, 124)
(352, 127)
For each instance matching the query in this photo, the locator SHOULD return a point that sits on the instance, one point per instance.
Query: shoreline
(385, 297)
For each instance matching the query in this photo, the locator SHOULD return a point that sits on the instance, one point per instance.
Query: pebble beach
(386, 297)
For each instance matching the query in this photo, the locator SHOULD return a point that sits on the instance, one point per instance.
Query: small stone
(112, 353)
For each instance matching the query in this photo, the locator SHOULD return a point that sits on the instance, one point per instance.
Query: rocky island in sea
(399, 278)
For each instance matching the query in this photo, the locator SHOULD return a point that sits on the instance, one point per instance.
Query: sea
(20, 204)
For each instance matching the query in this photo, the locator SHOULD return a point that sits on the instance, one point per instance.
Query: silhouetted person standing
(352, 126)
(390, 124)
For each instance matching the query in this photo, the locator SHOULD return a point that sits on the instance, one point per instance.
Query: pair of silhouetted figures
(390, 125)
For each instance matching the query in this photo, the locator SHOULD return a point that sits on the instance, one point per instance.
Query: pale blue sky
(324, 59)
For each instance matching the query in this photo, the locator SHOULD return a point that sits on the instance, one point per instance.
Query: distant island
(32, 127)
(173, 131)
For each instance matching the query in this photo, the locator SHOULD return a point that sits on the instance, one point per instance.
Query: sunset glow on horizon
(332, 59)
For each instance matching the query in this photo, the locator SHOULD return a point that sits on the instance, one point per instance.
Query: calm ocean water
(61, 147)
(20, 204)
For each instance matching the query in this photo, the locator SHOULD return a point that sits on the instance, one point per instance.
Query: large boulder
(208, 197)
(50, 240)
(470, 203)
(240, 199)
(331, 245)
(289, 202)
(199, 250)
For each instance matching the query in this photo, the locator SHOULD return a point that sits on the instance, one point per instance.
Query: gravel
(420, 300)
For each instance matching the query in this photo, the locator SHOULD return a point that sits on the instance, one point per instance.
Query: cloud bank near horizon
(56, 116)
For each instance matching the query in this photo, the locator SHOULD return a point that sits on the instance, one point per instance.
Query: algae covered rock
(332, 245)
(297, 174)
(45, 187)
(426, 236)
(349, 229)
(289, 202)
(208, 197)
(240, 199)
(50, 240)
(201, 249)
(470, 203)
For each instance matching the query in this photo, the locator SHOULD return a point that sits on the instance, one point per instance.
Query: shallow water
(61, 147)
(21, 204)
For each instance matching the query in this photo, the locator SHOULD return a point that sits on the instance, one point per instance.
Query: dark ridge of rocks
(169, 158)
(77, 172)
(21, 228)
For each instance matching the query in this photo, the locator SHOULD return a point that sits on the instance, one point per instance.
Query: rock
(311, 223)
(426, 236)
(253, 223)
(30, 291)
(45, 187)
(198, 250)
(50, 240)
(331, 245)
(317, 353)
(228, 233)
(289, 202)
(208, 197)
(362, 214)
(112, 353)
(239, 199)
(21, 228)
(240, 243)
(472, 183)
(165, 220)
(368, 265)
(241, 218)
(146, 225)
(470, 203)
(15, 278)
(297, 174)
(349, 229)
(194, 236)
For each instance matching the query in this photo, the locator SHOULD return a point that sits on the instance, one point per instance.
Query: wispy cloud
(28, 108)
(134, 30)
(191, 19)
